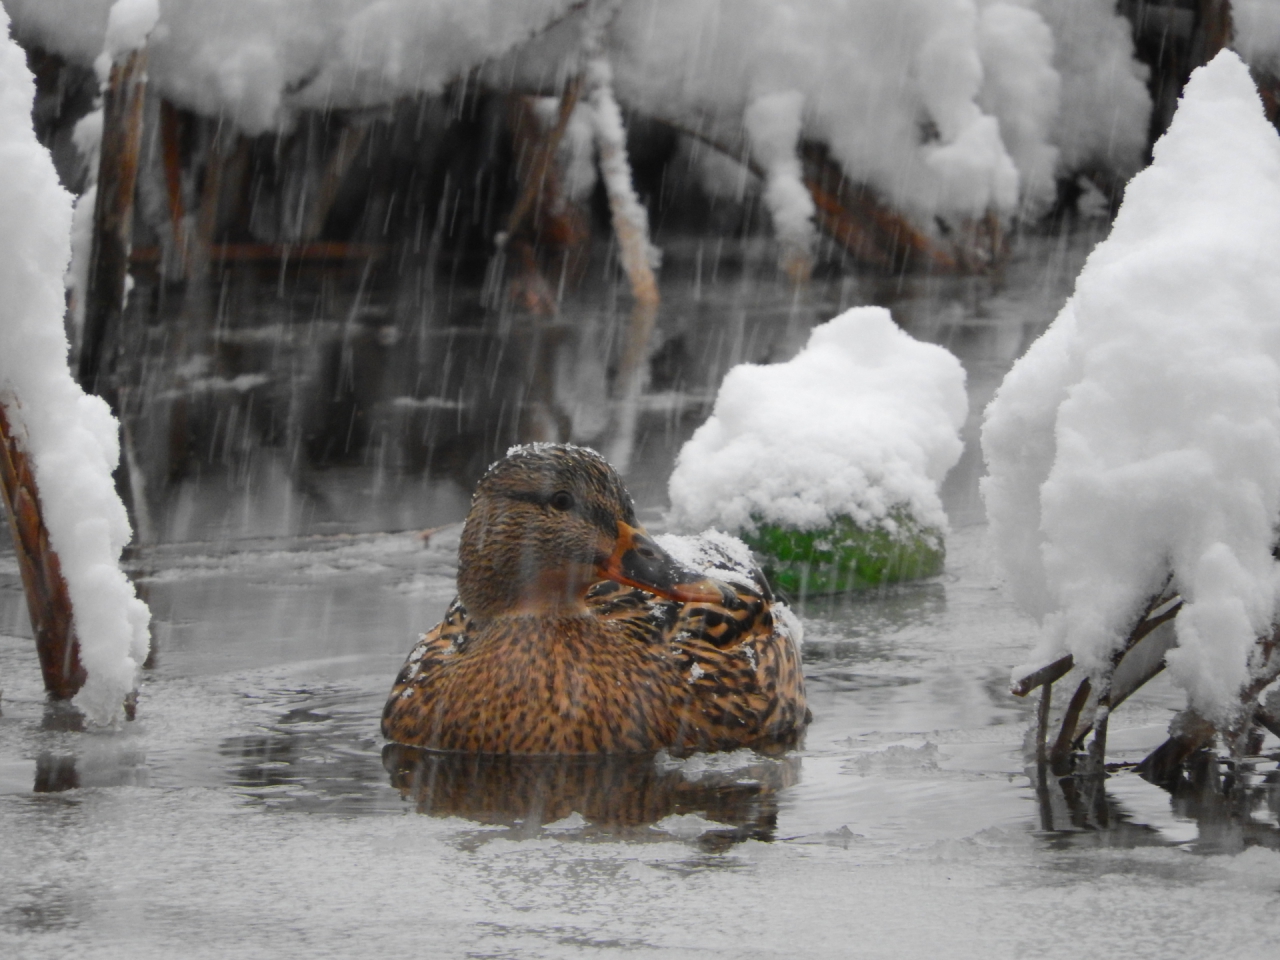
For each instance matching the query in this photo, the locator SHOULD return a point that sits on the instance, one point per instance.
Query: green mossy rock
(845, 556)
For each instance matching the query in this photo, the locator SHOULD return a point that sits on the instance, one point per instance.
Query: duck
(575, 633)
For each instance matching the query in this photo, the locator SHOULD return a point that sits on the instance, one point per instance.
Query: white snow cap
(1141, 434)
(70, 437)
(863, 420)
(129, 23)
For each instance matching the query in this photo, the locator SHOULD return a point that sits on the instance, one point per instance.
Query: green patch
(846, 556)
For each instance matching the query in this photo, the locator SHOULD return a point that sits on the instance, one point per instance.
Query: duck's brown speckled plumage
(616, 670)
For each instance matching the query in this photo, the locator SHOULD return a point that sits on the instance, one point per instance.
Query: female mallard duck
(547, 651)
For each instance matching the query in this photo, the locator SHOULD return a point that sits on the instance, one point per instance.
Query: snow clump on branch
(946, 107)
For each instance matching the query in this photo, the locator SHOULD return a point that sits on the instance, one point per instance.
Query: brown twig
(48, 602)
(1048, 674)
(1042, 723)
(1066, 733)
(544, 156)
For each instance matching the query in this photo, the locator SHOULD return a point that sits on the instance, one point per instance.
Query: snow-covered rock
(862, 422)
(1140, 436)
(70, 437)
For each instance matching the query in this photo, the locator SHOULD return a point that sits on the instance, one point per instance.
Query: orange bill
(638, 561)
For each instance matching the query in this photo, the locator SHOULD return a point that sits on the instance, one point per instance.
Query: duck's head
(549, 520)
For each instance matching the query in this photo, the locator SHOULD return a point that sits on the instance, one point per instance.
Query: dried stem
(48, 602)
(113, 217)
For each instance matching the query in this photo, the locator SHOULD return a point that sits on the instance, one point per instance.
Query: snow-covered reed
(1140, 436)
(70, 437)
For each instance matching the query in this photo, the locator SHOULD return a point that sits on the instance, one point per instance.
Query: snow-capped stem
(69, 441)
(113, 216)
(47, 600)
(774, 123)
(630, 219)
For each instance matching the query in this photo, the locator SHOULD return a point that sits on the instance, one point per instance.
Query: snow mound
(70, 437)
(1140, 436)
(863, 421)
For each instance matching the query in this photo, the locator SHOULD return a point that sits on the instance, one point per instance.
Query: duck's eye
(562, 500)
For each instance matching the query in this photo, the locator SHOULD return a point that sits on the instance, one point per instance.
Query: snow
(258, 61)
(773, 123)
(947, 107)
(1140, 436)
(129, 23)
(1102, 124)
(630, 218)
(1022, 89)
(892, 88)
(862, 421)
(726, 558)
(70, 437)
(714, 554)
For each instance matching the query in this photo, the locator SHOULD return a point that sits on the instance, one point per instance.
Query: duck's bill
(638, 561)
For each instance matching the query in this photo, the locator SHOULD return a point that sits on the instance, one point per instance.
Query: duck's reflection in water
(617, 795)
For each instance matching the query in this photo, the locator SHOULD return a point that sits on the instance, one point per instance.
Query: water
(253, 810)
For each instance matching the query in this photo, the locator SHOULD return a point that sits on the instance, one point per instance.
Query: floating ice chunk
(687, 826)
(570, 824)
(70, 437)
(1140, 436)
(862, 421)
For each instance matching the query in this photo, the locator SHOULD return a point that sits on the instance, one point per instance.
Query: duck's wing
(645, 618)
(448, 637)
(739, 657)
(743, 668)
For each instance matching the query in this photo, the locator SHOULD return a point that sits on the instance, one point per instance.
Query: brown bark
(171, 152)
(47, 599)
(113, 218)
(870, 231)
(336, 168)
(272, 253)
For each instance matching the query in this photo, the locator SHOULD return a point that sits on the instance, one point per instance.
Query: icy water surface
(253, 810)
